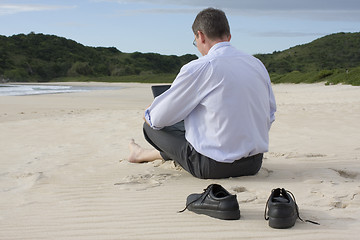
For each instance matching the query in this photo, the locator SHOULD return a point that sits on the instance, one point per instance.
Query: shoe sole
(224, 215)
(281, 223)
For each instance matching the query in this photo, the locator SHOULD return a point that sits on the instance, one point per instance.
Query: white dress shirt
(226, 101)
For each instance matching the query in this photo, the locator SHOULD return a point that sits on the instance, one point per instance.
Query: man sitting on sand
(225, 101)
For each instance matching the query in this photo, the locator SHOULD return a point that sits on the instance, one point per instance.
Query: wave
(22, 90)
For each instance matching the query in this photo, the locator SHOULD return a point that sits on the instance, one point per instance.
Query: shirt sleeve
(148, 119)
(180, 99)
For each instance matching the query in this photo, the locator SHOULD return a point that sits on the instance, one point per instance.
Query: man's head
(210, 27)
(212, 22)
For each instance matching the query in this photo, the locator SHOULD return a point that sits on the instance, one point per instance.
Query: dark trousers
(171, 143)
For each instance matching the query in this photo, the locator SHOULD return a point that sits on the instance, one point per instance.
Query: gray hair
(212, 22)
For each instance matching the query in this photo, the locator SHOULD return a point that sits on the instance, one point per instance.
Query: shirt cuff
(148, 120)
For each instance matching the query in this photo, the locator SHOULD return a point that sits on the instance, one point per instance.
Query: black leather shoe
(282, 211)
(215, 202)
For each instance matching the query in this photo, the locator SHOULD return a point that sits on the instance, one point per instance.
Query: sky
(164, 26)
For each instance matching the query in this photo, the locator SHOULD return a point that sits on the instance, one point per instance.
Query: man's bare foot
(140, 155)
(135, 152)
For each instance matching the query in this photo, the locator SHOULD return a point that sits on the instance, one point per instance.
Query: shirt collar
(217, 46)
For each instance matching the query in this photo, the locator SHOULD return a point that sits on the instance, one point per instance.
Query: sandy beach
(64, 173)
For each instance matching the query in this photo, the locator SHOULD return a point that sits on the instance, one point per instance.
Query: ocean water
(22, 90)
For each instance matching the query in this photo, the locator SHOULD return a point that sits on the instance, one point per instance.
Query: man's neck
(213, 43)
(210, 43)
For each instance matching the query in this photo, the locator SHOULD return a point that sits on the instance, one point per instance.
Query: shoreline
(64, 172)
(19, 89)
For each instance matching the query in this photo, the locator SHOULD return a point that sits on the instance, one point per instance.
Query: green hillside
(341, 50)
(332, 59)
(39, 57)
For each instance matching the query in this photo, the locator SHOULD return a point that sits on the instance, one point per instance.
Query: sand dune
(64, 174)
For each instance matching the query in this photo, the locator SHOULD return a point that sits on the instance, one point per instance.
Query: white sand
(63, 173)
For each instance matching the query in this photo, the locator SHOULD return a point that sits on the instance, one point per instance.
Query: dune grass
(336, 76)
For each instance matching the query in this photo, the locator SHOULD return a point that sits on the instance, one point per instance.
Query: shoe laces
(296, 207)
(201, 195)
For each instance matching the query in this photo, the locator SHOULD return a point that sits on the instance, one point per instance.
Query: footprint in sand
(346, 200)
(344, 193)
(244, 196)
(143, 181)
(23, 181)
(264, 173)
(313, 155)
(239, 189)
(339, 202)
(288, 155)
(346, 173)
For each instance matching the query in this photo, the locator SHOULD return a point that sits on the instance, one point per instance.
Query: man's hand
(144, 115)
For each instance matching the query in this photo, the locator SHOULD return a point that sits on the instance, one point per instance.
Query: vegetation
(334, 58)
(341, 50)
(330, 77)
(37, 57)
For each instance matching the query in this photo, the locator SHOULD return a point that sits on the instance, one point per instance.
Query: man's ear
(201, 36)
